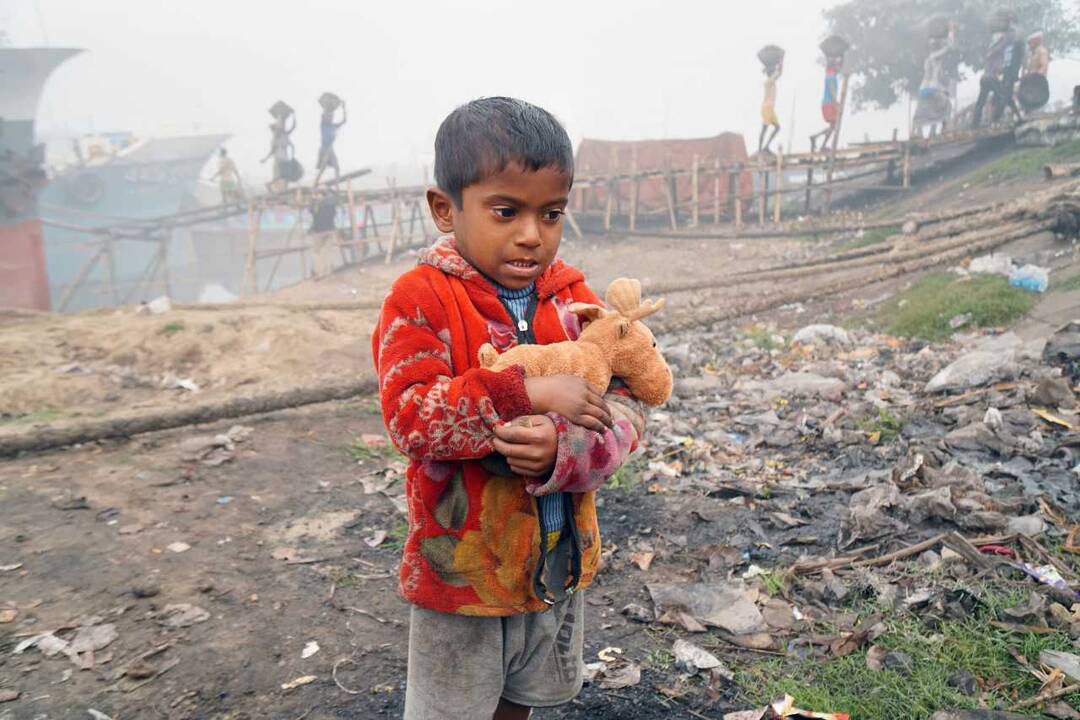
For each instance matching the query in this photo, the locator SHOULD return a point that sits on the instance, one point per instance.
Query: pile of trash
(846, 463)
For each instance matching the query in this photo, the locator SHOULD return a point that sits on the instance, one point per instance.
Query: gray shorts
(460, 666)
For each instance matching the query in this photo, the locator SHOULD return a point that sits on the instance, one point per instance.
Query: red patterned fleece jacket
(474, 538)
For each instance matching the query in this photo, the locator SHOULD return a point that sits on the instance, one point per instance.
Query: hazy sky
(622, 69)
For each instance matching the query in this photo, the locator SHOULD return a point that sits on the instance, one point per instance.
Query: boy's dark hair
(482, 137)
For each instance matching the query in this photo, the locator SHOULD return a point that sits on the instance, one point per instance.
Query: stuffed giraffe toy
(613, 342)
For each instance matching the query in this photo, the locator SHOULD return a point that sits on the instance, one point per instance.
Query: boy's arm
(586, 459)
(430, 413)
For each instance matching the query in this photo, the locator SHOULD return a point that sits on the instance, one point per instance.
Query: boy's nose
(529, 235)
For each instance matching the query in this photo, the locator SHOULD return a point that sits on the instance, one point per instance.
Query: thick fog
(609, 69)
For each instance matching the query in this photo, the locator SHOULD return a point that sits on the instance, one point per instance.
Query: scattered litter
(182, 615)
(638, 613)
(992, 264)
(46, 643)
(691, 659)
(298, 682)
(178, 547)
(169, 381)
(612, 672)
(68, 501)
(11, 567)
(215, 294)
(813, 334)
(730, 607)
(642, 559)
(609, 654)
(1049, 575)
(375, 539)
(1031, 278)
(157, 306)
(214, 450)
(7, 695)
(1067, 663)
(959, 321)
(975, 369)
(309, 649)
(785, 708)
(8, 615)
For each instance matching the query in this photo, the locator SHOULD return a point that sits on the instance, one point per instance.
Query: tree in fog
(889, 38)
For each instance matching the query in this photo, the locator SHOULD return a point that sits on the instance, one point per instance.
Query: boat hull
(23, 280)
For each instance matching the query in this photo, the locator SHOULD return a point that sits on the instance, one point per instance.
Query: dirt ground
(251, 589)
(60, 368)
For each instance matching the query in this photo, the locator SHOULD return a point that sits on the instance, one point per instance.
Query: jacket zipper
(525, 336)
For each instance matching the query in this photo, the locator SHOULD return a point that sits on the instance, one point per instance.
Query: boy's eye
(505, 212)
(553, 215)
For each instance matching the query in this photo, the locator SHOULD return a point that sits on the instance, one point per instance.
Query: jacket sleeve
(586, 459)
(429, 412)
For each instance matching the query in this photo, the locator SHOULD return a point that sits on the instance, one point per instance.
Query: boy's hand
(530, 444)
(571, 397)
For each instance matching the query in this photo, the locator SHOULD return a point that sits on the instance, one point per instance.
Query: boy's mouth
(523, 268)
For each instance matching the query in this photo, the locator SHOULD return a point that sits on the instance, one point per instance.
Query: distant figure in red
(830, 102)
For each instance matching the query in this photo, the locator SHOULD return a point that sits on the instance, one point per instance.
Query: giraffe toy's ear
(587, 311)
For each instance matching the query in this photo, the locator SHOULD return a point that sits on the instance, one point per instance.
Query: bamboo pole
(110, 268)
(163, 250)
(737, 197)
(609, 205)
(716, 194)
(251, 280)
(778, 197)
(907, 166)
(84, 271)
(836, 139)
(350, 198)
(395, 235)
(669, 194)
(635, 188)
(695, 193)
(573, 224)
(763, 198)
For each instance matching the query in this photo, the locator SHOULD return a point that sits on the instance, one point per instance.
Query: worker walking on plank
(328, 129)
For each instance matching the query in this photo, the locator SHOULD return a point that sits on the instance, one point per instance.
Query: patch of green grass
(886, 423)
(170, 329)
(1022, 163)
(362, 452)
(38, 416)
(764, 339)
(924, 311)
(627, 477)
(395, 536)
(1070, 283)
(660, 659)
(773, 582)
(847, 685)
(873, 236)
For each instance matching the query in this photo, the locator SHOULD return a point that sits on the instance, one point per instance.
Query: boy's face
(509, 224)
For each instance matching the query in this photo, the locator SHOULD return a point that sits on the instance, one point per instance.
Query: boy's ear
(442, 209)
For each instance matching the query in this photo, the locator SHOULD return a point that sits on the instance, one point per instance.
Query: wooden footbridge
(383, 222)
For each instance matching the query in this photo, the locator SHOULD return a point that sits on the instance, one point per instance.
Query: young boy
(503, 469)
